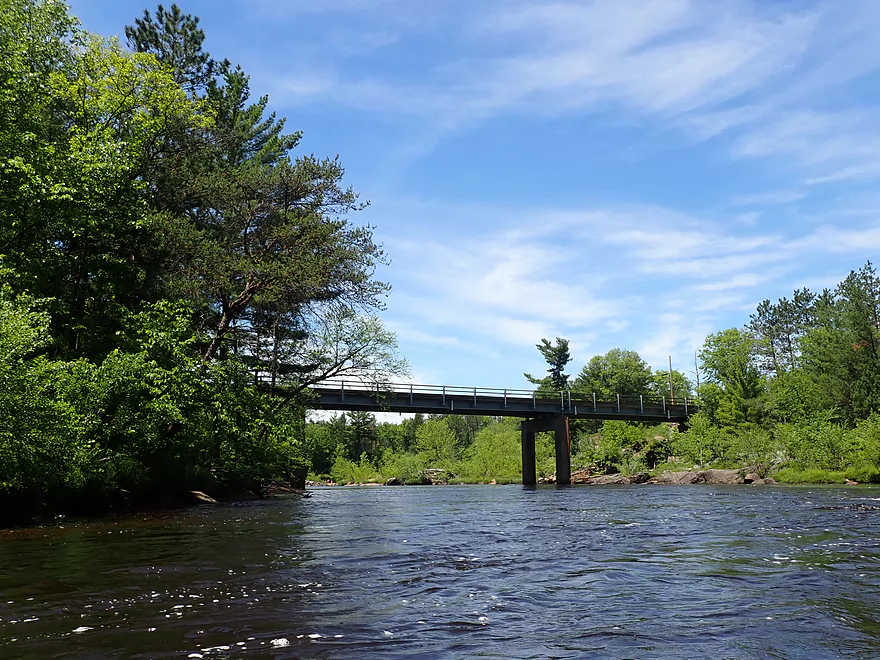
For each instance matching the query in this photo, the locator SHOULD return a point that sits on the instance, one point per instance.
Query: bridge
(541, 410)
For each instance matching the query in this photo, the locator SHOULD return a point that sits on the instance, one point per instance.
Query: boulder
(604, 479)
(437, 476)
(723, 476)
(681, 478)
(751, 477)
(581, 476)
(640, 478)
(394, 481)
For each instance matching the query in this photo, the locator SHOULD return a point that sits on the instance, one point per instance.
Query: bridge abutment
(559, 425)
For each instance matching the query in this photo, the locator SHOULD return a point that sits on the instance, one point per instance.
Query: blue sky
(622, 173)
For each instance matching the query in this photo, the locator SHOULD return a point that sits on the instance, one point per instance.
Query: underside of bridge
(559, 425)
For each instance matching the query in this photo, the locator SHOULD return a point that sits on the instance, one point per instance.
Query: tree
(557, 356)
(681, 386)
(729, 360)
(779, 328)
(437, 441)
(176, 40)
(617, 372)
(841, 351)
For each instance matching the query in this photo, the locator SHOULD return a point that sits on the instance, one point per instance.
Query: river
(458, 571)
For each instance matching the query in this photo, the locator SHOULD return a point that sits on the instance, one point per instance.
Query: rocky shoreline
(718, 477)
(585, 476)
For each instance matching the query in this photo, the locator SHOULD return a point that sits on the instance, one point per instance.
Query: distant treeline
(794, 393)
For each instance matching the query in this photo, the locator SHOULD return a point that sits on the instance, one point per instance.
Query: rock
(640, 478)
(681, 478)
(393, 481)
(701, 477)
(751, 477)
(850, 482)
(605, 479)
(581, 476)
(756, 482)
(769, 480)
(438, 476)
(723, 476)
(493, 483)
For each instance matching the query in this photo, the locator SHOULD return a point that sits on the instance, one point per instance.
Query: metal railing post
(685, 405)
(534, 399)
(618, 403)
(342, 391)
(410, 394)
(475, 397)
(505, 397)
(561, 400)
(664, 404)
(641, 404)
(444, 395)
(594, 402)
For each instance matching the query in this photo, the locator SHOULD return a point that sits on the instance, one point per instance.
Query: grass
(820, 476)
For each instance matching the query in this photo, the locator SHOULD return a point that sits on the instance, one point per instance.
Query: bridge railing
(567, 399)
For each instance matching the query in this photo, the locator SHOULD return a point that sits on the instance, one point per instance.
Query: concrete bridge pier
(559, 425)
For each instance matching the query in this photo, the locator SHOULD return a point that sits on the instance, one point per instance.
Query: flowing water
(458, 571)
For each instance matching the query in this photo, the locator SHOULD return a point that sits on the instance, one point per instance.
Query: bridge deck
(440, 399)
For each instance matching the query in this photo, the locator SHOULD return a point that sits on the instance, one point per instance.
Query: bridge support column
(559, 425)
(529, 470)
(563, 451)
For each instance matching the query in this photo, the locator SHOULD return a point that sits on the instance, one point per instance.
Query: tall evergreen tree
(176, 40)
(557, 356)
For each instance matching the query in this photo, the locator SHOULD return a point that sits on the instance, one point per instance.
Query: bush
(809, 476)
(345, 471)
(496, 453)
(408, 468)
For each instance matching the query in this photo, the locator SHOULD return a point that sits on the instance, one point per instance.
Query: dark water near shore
(459, 571)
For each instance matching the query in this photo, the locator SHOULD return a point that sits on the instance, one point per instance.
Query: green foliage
(557, 356)
(495, 454)
(176, 40)
(818, 442)
(728, 358)
(438, 443)
(158, 244)
(622, 447)
(703, 443)
(681, 386)
(617, 372)
(809, 476)
(346, 471)
(405, 467)
(42, 446)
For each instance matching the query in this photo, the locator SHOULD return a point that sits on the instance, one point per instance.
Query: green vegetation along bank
(174, 274)
(794, 394)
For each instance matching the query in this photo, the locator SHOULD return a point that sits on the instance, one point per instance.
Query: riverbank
(741, 476)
